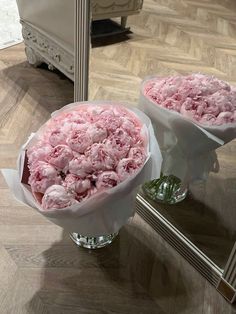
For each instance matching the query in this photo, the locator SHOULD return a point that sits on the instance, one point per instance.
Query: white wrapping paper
(104, 213)
(188, 149)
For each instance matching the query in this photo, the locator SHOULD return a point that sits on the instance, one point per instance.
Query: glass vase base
(166, 189)
(92, 242)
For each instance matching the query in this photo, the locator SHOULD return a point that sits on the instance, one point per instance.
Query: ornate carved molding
(100, 7)
(32, 57)
(40, 48)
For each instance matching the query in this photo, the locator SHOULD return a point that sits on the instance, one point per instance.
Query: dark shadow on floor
(51, 90)
(107, 32)
(129, 276)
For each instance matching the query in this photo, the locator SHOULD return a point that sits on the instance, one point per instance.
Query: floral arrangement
(193, 115)
(204, 99)
(82, 168)
(83, 152)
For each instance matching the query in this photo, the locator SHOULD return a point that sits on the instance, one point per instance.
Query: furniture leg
(32, 57)
(123, 21)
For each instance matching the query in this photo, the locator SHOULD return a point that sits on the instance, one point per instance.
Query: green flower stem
(163, 189)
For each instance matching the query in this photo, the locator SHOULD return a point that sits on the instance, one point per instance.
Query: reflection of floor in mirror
(169, 37)
(207, 216)
(41, 270)
(201, 224)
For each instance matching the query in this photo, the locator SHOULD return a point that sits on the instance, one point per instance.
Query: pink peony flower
(58, 137)
(97, 132)
(172, 104)
(38, 153)
(87, 194)
(101, 157)
(137, 154)
(109, 120)
(132, 128)
(107, 179)
(208, 119)
(42, 176)
(225, 117)
(127, 118)
(56, 197)
(76, 118)
(126, 167)
(80, 166)
(128, 125)
(198, 97)
(74, 184)
(60, 156)
(73, 117)
(223, 99)
(119, 142)
(79, 140)
(96, 111)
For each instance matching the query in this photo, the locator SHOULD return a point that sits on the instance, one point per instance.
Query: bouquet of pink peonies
(81, 169)
(192, 116)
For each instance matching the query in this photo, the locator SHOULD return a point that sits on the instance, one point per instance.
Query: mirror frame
(223, 280)
(82, 38)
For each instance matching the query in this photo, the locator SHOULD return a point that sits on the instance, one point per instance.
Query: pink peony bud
(79, 140)
(126, 167)
(74, 184)
(120, 143)
(43, 176)
(109, 120)
(80, 166)
(97, 132)
(208, 119)
(138, 154)
(73, 117)
(225, 117)
(57, 137)
(56, 197)
(38, 152)
(87, 194)
(102, 157)
(107, 179)
(60, 156)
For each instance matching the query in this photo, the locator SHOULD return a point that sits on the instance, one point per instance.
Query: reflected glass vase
(90, 242)
(168, 189)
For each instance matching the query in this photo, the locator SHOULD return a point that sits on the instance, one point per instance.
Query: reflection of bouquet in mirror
(82, 168)
(192, 115)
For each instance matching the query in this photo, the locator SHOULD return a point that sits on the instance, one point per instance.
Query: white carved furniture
(49, 30)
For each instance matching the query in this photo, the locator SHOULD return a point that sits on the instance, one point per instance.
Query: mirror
(168, 39)
(202, 227)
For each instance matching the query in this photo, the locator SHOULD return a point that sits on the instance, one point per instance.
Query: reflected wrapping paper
(188, 149)
(103, 213)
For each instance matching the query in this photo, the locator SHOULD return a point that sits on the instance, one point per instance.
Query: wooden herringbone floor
(41, 271)
(169, 37)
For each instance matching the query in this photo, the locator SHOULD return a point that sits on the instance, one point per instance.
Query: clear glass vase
(89, 242)
(167, 189)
